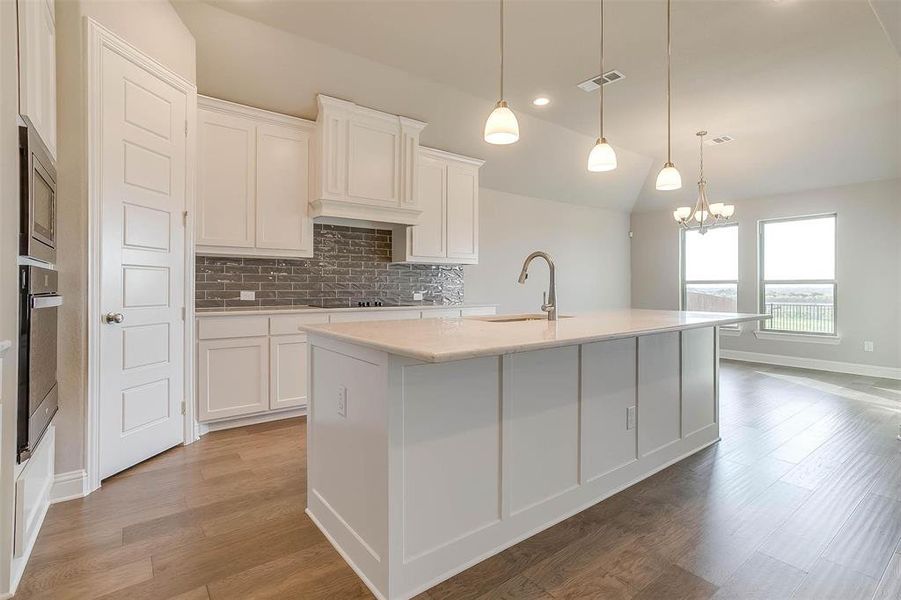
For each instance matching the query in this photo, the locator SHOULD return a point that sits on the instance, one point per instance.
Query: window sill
(806, 338)
(730, 331)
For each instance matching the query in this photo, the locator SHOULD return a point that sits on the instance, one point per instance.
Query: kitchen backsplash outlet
(349, 265)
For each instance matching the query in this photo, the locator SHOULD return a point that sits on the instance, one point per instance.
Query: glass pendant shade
(602, 157)
(682, 213)
(669, 178)
(728, 210)
(717, 208)
(501, 126)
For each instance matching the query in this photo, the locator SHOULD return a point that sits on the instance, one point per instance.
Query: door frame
(99, 38)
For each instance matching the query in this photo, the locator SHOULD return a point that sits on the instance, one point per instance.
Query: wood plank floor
(801, 499)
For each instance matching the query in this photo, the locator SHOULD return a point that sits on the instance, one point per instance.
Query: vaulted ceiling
(809, 89)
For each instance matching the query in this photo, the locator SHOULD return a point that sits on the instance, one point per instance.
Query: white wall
(9, 251)
(154, 27)
(590, 247)
(868, 268)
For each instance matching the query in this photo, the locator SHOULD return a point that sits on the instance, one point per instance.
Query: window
(710, 269)
(797, 274)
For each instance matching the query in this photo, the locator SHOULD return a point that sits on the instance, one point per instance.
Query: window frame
(684, 282)
(762, 281)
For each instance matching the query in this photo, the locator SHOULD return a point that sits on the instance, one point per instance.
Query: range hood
(366, 164)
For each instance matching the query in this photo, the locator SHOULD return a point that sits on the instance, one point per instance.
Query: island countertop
(443, 340)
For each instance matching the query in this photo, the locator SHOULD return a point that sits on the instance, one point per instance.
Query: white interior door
(142, 190)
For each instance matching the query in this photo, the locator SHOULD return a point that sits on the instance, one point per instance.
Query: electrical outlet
(342, 401)
(868, 346)
(417, 295)
(630, 418)
(248, 295)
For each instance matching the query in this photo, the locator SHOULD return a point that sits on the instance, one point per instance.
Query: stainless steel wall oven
(38, 389)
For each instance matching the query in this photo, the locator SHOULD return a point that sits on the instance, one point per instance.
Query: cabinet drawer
(387, 315)
(290, 324)
(232, 327)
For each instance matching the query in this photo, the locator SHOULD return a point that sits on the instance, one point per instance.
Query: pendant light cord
(502, 50)
(702, 156)
(669, 126)
(601, 108)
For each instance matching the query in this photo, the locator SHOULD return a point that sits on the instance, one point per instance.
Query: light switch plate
(248, 295)
(630, 418)
(869, 346)
(342, 401)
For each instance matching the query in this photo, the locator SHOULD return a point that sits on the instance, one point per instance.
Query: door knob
(114, 317)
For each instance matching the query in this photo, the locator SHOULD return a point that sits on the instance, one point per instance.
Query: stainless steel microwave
(37, 233)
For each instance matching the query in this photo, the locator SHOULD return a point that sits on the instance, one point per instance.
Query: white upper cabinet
(462, 211)
(366, 164)
(253, 181)
(226, 211)
(448, 228)
(283, 189)
(428, 239)
(37, 68)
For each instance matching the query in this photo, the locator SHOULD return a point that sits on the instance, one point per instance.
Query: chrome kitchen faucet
(549, 304)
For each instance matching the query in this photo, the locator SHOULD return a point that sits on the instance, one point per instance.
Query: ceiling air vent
(590, 85)
(720, 139)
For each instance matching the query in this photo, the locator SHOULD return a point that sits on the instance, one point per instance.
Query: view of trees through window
(797, 259)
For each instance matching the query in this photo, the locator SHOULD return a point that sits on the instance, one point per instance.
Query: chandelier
(704, 215)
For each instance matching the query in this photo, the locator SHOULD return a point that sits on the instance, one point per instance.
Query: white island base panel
(419, 470)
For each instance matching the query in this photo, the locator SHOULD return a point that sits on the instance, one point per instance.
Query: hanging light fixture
(668, 178)
(602, 157)
(501, 126)
(704, 215)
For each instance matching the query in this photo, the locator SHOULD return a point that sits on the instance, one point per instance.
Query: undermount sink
(515, 318)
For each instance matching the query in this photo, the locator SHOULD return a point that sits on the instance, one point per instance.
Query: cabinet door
(37, 67)
(462, 212)
(288, 371)
(428, 239)
(373, 161)
(225, 180)
(233, 377)
(283, 189)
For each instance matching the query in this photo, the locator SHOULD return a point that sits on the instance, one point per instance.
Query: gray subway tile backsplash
(350, 265)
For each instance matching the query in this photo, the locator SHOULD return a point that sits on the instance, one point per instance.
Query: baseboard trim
(813, 363)
(69, 486)
(290, 413)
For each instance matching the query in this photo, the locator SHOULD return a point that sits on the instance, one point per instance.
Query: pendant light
(501, 126)
(602, 157)
(669, 177)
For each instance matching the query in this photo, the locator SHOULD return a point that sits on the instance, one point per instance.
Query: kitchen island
(433, 445)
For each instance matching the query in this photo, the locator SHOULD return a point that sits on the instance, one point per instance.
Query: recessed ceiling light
(541, 101)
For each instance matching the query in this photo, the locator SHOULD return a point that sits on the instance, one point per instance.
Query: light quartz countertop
(268, 310)
(442, 340)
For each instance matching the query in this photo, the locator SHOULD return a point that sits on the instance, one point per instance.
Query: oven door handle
(46, 301)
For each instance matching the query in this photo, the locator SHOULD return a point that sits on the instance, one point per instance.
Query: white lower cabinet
(251, 365)
(233, 377)
(288, 371)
